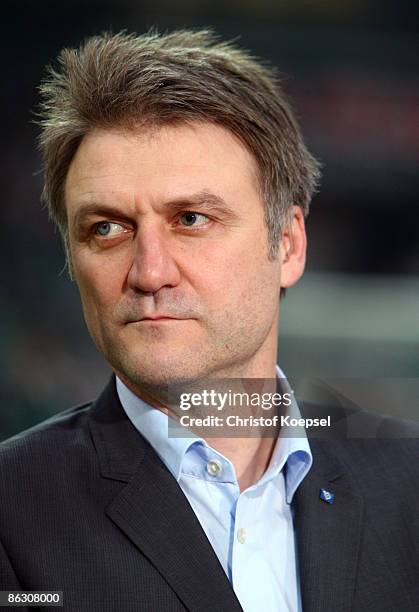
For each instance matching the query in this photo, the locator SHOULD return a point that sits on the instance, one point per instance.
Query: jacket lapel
(328, 534)
(152, 510)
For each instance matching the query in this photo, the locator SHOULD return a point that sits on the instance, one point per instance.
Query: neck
(250, 456)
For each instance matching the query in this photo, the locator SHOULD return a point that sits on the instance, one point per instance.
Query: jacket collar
(153, 512)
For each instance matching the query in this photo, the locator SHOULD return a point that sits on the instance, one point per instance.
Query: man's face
(170, 224)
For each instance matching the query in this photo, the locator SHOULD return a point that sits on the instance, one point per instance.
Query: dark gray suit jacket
(88, 508)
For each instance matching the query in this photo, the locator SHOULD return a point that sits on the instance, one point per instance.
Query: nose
(153, 266)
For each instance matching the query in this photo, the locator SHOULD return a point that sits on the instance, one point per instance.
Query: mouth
(158, 319)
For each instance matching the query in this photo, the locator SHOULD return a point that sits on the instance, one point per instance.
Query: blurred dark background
(351, 68)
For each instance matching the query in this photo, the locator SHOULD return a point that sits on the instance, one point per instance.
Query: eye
(190, 218)
(108, 229)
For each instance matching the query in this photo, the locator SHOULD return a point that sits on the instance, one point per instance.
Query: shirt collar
(291, 454)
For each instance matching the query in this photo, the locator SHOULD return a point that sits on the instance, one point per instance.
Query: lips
(158, 318)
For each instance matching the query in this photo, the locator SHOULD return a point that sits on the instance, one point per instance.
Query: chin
(157, 368)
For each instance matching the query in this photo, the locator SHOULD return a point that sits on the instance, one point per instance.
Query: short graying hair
(126, 80)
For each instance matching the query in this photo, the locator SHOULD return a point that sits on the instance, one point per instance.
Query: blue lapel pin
(327, 496)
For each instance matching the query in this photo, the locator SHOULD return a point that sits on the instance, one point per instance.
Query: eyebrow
(201, 200)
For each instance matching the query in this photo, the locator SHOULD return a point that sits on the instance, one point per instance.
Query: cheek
(100, 282)
(233, 283)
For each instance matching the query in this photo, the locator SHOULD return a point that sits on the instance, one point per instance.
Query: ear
(293, 248)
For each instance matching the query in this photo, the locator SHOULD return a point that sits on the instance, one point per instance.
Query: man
(179, 180)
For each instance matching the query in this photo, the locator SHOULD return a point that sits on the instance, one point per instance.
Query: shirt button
(241, 535)
(213, 467)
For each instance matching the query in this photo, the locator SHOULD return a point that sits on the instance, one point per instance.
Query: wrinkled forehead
(161, 163)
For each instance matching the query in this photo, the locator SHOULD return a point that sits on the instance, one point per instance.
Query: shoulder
(63, 423)
(47, 447)
(348, 423)
(376, 449)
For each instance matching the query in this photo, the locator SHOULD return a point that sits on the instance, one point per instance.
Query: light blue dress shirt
(252, 531)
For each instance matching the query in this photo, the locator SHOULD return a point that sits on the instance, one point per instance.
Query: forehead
(160, 163)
